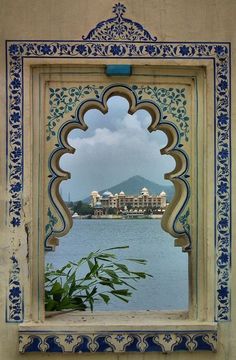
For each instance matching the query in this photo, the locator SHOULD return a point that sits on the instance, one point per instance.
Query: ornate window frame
(120, 38)
(176, 218)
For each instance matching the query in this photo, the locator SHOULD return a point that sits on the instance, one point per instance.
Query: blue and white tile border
(118, 341)
(111, 39)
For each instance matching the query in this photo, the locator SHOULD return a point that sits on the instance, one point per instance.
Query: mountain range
(134, 185)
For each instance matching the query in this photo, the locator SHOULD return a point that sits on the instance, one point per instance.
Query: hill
(133, 186)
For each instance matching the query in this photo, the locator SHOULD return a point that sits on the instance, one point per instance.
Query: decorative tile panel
(119, 342)
(119, 28)
(111, 39)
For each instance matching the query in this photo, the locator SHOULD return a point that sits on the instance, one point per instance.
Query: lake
(167, 290)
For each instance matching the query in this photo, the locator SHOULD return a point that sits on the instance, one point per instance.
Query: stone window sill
(117, 332)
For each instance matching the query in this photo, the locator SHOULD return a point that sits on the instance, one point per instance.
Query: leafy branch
(105, 277)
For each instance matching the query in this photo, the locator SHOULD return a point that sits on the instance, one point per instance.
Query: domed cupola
(98, 205)
(144, 191)
(107, 194)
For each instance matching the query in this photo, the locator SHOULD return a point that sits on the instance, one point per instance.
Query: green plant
(103, 276)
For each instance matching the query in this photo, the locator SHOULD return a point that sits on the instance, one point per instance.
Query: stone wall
(181, 21)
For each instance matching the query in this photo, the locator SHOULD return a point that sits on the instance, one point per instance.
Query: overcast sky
(115, 147)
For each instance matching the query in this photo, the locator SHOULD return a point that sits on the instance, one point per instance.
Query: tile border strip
(120, 341)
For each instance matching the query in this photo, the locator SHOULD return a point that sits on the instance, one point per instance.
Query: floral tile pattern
(119, 28)
(15, 313)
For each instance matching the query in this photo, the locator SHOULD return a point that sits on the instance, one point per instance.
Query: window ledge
(117, 332)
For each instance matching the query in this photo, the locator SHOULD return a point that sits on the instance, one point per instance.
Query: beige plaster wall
(170, 20)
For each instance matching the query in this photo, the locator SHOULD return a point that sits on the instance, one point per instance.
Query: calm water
(167, 290)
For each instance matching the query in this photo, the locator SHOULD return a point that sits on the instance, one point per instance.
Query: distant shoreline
(111, 217)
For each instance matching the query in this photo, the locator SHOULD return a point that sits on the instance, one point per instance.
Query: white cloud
(106, 156)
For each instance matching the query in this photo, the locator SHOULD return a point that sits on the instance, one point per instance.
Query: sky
(115, 147)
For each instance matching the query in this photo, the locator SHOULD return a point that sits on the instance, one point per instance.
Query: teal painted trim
(118, 70)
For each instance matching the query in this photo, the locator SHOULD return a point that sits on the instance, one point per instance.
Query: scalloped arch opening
(135, 124)
(108, 129)
(170, 217)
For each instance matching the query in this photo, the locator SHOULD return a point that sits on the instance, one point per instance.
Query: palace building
(121, 201)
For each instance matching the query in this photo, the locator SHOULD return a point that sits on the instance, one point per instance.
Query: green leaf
(117, 248)
(56, 287)
(123, 292)
(107, 283)
(105, 298)
(139, 261)
(111, 273)
(90, 264)
(106, 256)
(65, 289)
(93, 292)
(65, 303)
(94, 269)
(91, 302)
(51, 305)
(142, 275)
(121, 298)
(127, 284)
(123, 268)
(78, 303)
